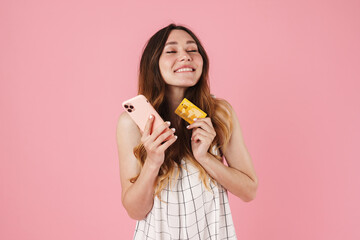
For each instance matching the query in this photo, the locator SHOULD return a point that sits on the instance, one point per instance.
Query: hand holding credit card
(188, 111)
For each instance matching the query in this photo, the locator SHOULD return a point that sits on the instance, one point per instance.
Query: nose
(185, 56)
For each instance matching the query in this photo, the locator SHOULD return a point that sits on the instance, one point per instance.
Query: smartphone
(139, 109)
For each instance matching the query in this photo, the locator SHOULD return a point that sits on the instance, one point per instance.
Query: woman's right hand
(157, 142)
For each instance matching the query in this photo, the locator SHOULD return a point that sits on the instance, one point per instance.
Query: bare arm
(239, 177)
(138, 198)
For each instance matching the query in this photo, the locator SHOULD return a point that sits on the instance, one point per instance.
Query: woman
(173, 180)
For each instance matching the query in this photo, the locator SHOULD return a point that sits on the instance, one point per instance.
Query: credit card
(188, 111)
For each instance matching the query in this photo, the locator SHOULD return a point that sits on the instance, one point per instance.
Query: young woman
(174, 181)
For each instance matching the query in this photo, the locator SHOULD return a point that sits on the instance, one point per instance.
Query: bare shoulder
(126, 126)
(128, 135)
(125, 121)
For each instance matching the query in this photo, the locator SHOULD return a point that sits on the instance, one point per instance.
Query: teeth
(184, 70)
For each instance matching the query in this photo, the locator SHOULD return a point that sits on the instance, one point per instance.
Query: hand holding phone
(156, 134)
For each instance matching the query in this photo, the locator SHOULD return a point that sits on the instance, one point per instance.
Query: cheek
(165, 64)
(165, 70)
(162, 66)
(199, 61)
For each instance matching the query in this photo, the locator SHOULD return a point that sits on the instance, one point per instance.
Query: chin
(186, 83)
(190, 84)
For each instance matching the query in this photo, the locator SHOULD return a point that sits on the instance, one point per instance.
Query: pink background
(289, 68)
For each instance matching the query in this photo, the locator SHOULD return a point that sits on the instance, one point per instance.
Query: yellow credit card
(188, 111)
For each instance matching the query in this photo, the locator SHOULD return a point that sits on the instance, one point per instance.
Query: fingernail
(173, 129)
(151, 116)
(195, 119)
(187, 126)
(175, 136)
(168, 123)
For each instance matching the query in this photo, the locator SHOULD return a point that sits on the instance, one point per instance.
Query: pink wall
(289, 68)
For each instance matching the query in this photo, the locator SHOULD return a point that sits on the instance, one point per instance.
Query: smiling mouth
(185, 70)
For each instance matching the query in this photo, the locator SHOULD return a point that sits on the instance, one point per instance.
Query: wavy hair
(152, 86)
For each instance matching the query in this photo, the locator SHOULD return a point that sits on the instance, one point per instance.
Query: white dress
(188, 210)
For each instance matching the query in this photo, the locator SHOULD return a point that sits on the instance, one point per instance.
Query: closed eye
(175, 51)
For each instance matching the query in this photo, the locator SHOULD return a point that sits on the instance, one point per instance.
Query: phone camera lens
(129, 110)
(126, 106)
(131, 106)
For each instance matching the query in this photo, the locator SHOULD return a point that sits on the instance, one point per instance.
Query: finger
(210, 125)
(210, 135)
(202, 132)
(164, 146)
(202, 124)
(148, 126)
(173, 129)
(155, 134)
(201, 137)
(208, 121)
(163, 137)
(199, 120)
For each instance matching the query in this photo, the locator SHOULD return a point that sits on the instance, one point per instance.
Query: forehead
(180, 37)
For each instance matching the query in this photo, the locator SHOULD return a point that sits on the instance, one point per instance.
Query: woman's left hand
(203, 135)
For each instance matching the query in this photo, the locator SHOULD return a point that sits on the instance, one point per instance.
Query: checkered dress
(188, 210)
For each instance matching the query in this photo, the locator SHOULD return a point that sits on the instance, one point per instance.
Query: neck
(174, 96)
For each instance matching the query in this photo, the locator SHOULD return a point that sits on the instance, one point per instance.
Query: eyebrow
(173, 43)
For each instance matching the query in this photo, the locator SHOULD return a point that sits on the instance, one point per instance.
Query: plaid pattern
(188, 210)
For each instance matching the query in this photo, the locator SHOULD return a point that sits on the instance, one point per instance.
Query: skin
(175, 56)
(238, 177)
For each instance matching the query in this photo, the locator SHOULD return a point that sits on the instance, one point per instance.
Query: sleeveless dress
(188, 210)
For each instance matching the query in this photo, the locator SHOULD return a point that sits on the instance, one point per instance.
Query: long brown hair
(152, 86)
